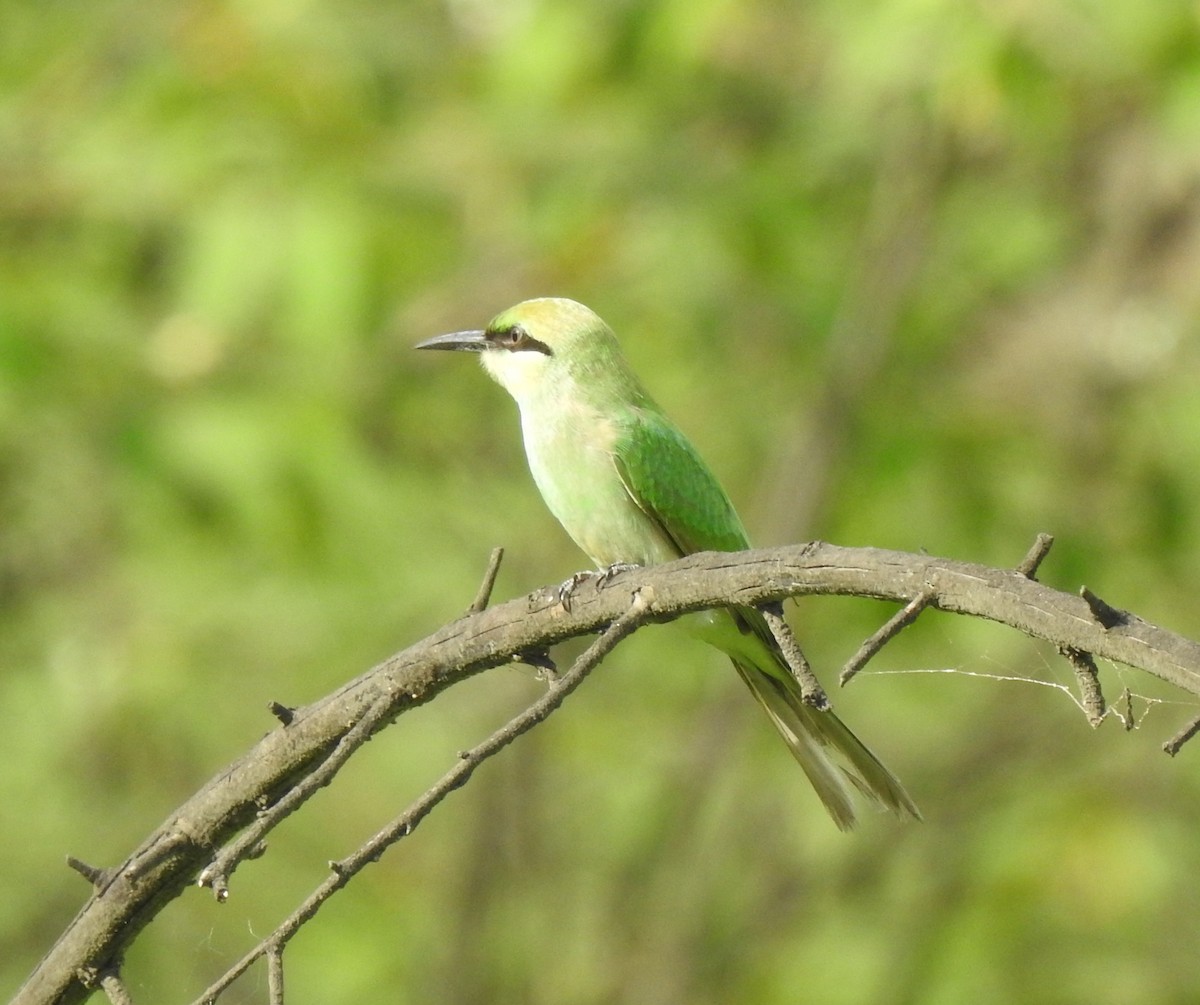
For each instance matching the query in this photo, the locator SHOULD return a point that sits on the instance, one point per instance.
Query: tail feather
(836, 762)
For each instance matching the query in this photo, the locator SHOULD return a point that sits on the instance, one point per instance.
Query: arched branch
(310, 743)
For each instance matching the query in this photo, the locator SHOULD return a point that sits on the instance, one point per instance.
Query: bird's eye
(512, 337)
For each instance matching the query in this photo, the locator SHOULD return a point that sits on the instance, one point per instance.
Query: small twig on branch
(886, 632)
(1107, 615)
(282, 712)
(484, 596)
(1033, 558)
(97, 877)
(275, 976)
(810, 687)
(403, 825)
(1088, 678)
(114, 988)
(1173, 745)
(1130, 720)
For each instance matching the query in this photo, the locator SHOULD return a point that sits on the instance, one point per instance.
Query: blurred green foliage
(913, 274)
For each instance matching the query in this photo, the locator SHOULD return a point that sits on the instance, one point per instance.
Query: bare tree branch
(810, 687)
(315, 739)
(216, 874)
(403, 825)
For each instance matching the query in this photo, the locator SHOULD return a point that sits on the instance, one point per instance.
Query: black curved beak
(473, 341)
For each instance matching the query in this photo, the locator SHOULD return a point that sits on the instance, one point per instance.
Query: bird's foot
(567, 588)
(606, 575)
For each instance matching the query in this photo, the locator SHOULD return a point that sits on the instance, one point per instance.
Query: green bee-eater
(629, 489)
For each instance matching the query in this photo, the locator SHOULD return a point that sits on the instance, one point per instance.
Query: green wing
(670, 483)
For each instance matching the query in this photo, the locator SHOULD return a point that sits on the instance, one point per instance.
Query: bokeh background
(914, 273)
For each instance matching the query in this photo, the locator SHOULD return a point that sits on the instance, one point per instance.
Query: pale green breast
(570, 450)
(623, 481)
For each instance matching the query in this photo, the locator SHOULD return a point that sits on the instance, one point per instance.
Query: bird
(630, 490)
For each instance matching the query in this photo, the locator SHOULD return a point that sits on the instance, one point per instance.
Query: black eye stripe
(515, 338)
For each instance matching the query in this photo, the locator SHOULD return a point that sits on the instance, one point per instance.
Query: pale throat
(524, 375)
(569, 443)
